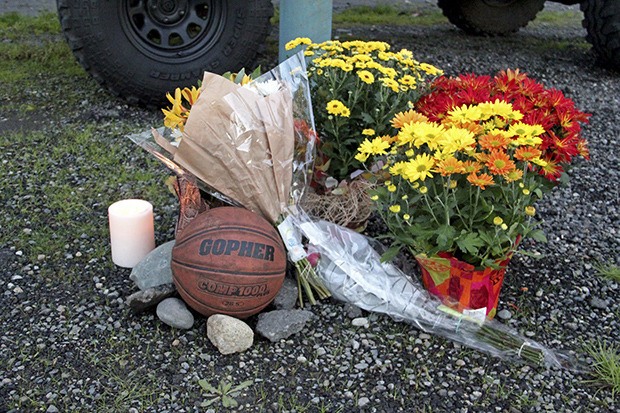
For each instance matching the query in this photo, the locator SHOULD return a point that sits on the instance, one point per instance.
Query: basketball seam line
(255, 231)
(230, 272)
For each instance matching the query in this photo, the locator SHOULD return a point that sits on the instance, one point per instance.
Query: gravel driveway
(74, 346)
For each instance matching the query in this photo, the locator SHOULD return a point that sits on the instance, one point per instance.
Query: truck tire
(490, 17)
(141, 49)
(601, 19)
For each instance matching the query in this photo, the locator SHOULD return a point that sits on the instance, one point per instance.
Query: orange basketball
(228, 261)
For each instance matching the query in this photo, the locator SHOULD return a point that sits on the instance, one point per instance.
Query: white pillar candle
(132, 233)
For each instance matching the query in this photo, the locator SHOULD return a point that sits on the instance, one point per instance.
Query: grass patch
(606, 368)
(559, 18)
(386, 15)
(608, 270)
(14, 26)
(56, 190)
(22, 54)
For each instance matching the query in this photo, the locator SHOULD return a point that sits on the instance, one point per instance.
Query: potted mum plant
(356, 88)
(460, 179)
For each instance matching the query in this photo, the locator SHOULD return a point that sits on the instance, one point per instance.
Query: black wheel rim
(173, 29)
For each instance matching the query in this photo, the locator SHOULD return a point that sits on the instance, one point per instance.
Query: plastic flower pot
(460, 285)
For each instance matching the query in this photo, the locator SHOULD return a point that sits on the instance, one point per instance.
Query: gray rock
(360, 322)
(154, 269)
(504, 314)
(174, 312)
(599, 303)
(280, 324)
(352, 311)
(150, 297)
(229, 334)
(287, 296)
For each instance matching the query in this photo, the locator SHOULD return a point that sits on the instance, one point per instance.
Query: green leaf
(228, 401)
(390, 253)
(445, 236)
(538, 235)
(470, 243)
(209, 402)
(367, 118)
(244, 385)
(225, 387)
(207, 387)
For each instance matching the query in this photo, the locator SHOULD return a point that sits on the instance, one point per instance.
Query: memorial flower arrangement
(356, 88)
(460, 180)
(266, 170)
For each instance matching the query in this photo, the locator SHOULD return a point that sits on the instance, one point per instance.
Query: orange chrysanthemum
(389, 139)
(450, 166)
(481, 181)
(481, 157)
(499, 163)
(472, 167)
(526, 153)
(493, 141)
(514, 175)
(410, 116)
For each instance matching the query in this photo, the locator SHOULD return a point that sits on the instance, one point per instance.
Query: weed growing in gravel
(606, 367)
(224, 392)
(608, 270)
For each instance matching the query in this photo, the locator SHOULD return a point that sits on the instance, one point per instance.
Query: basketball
(228, 260)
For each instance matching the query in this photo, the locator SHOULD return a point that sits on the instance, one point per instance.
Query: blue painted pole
(301, 18)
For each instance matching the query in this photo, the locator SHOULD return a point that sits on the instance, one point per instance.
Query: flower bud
(530, 210)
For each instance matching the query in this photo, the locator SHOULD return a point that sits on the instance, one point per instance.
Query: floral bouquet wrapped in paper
(459, 181)
(250, 145)
(356, 87)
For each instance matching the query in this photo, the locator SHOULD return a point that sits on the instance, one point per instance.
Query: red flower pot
(460, 285)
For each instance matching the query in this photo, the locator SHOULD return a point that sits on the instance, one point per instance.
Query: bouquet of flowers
(460, 179)
(250, 145)
(356, 88)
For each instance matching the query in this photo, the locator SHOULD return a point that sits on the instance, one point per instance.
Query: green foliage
(387, 15)
(606, 368)
(608, 270)
(224, 392)
(46, 53)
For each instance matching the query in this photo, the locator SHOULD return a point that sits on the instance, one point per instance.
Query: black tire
(490, 17)
(601, 19)
(141, 49)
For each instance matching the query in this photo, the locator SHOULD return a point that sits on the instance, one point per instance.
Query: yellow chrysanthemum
(430, 69)
(368, 132)
(418, 168)
(366, 76)
(377, 146)
(457, 139)
(296, 42)
(336, 107)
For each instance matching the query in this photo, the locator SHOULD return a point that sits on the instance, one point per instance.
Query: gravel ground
(74, 346)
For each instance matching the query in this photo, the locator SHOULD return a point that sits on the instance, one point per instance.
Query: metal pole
(301, 18)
